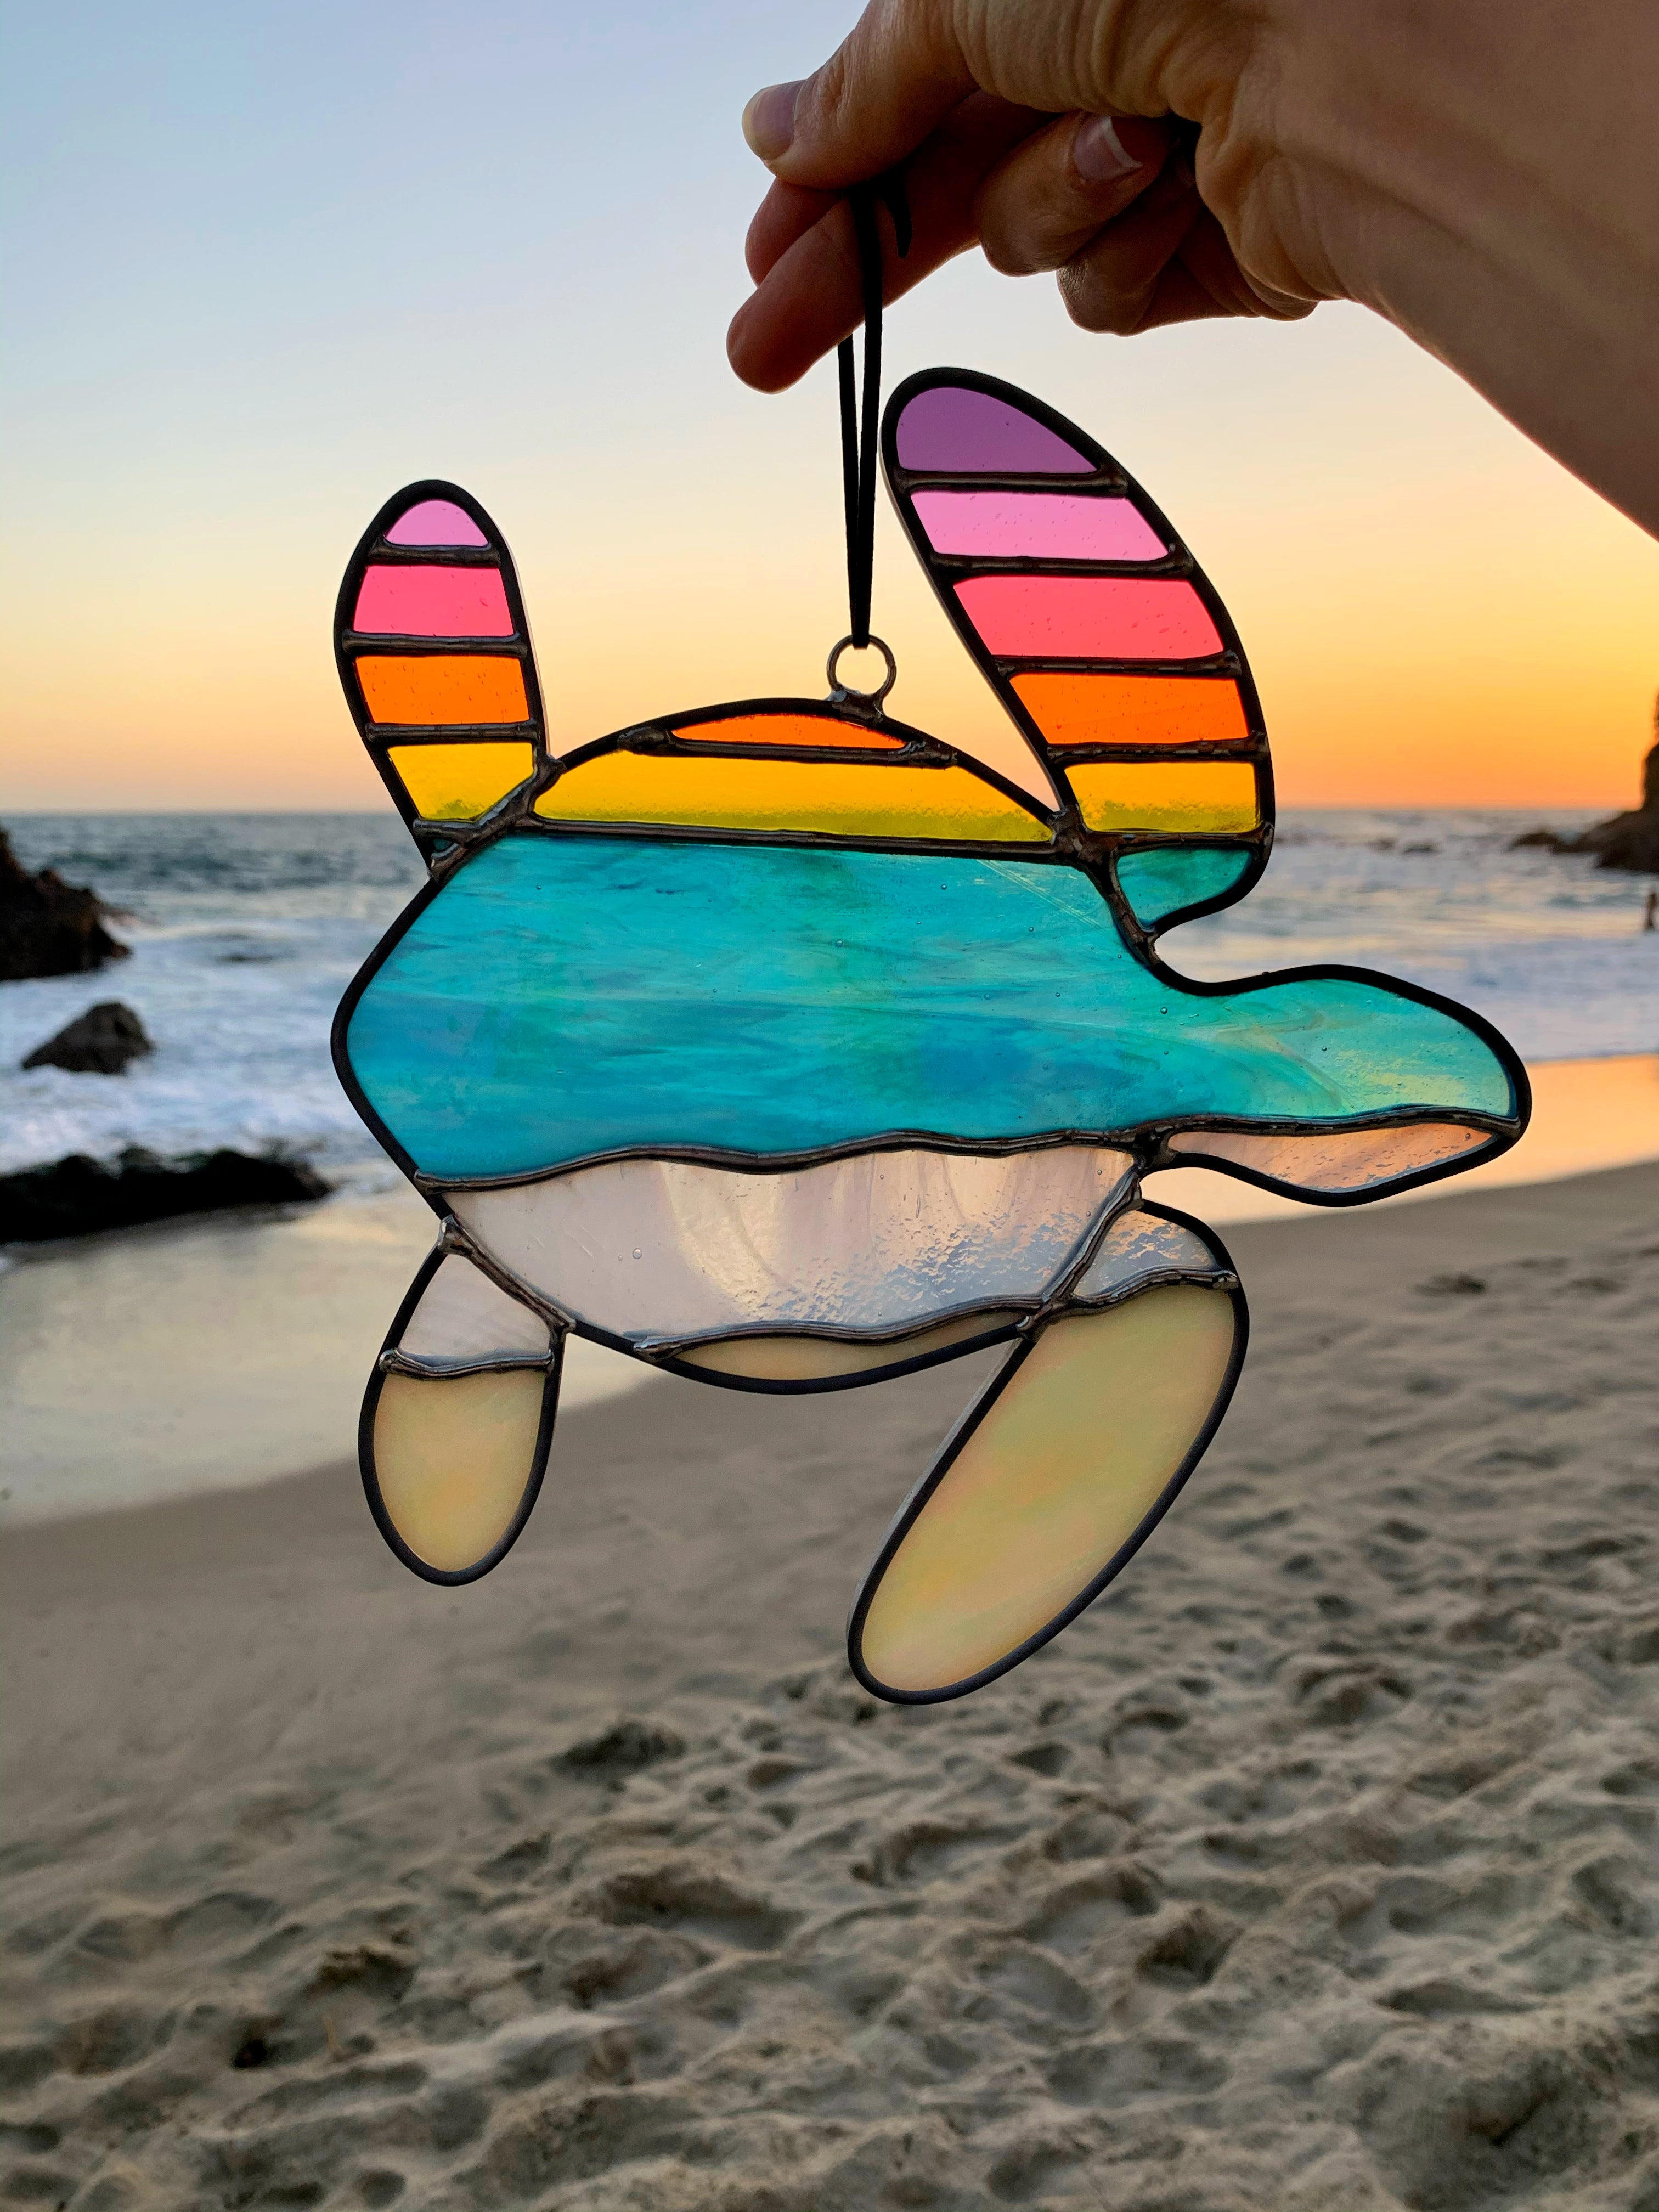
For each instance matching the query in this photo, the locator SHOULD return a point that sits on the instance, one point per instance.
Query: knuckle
(1005, 255)
(1031, 217)
(825, 98)
(856, 74)
(1094, 305)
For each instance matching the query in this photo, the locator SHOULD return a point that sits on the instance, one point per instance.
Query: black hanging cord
(857, 437)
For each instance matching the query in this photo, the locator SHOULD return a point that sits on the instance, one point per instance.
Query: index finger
(802, 254)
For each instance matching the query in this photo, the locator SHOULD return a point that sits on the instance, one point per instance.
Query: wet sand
(1316, 1867)
(219, 1354)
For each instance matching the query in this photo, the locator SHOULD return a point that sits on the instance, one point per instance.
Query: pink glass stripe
(1037, 525)
(434, 603)
(435, 522)
(1088, 618)
(952, 427)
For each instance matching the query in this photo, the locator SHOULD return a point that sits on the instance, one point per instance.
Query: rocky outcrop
(47, 926)
(75, 1196)
(100, 1042)
(1628, 840)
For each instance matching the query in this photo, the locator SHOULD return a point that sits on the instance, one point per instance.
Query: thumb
(891, 81)
(906, 64)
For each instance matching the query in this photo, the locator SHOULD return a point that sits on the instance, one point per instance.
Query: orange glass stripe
(787, 730)
(1191, 795)
(841, 798)
(445, 687)
(1133, 710)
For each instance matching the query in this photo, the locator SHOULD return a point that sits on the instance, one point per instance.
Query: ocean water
(246, 929)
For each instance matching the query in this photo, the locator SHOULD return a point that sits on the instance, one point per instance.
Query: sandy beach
(1314, 1868)
(951, 827)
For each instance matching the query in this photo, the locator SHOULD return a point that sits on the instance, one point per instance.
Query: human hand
(1485, 176)
(1033, 128)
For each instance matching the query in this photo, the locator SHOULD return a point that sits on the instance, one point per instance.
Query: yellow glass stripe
(1192, 795)
(457, 783)
(842, 798)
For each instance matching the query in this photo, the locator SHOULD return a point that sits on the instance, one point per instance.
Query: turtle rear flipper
(457, 1421)
(1052, 1480)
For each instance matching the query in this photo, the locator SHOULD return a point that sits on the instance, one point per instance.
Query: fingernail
(768, 121)
(1105, 148)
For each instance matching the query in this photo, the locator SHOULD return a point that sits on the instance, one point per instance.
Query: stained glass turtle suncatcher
(786, 1047)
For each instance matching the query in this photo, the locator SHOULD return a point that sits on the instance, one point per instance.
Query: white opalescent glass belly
(462, 1315)
(1139, 1246)
(653, 1248)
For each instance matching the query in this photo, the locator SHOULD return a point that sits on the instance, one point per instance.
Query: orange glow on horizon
(1492, 645)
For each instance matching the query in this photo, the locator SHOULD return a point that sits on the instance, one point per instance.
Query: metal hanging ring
(838, 690)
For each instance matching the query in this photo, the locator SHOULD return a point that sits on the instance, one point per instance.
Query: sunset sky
(265, 264)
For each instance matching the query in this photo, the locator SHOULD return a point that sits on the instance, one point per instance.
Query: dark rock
(1628, 840)
(47, 926)
(100, 1042)
(75, 1196)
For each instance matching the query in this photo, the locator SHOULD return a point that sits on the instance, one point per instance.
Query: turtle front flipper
(433, 650)
(457, 1420)
(1060, 1469)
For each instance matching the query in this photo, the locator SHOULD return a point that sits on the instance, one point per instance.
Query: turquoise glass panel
(571, 994)
(1163, 882)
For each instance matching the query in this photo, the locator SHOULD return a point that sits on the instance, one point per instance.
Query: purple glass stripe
(951, 427)
(435, 522)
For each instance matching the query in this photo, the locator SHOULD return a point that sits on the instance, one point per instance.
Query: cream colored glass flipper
(1350, 1163)
(1048, 1485)
(457, 1421)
